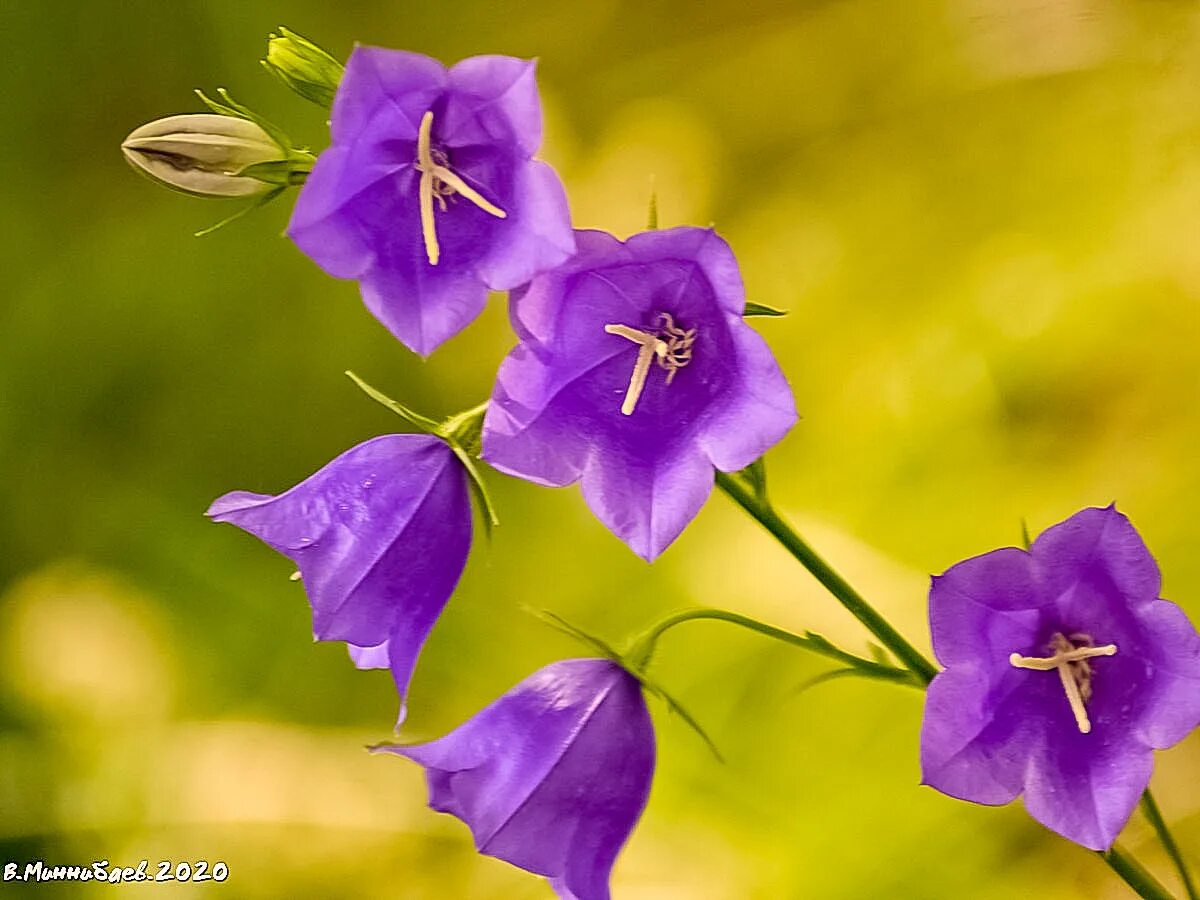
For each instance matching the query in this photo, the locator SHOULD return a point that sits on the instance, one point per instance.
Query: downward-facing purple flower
(429, 195)
(553, 776)
(380, 535)
(1064, 672)
(637, 374)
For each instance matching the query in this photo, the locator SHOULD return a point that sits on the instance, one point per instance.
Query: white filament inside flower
(671, 345)
(439, 182)
(1074, 670)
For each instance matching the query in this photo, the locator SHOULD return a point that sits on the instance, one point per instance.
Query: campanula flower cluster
(636, 375)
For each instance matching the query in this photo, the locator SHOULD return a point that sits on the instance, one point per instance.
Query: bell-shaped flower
(1064, 672)
(429, 195)
(380, 536)
(551, 777)
(637, 375)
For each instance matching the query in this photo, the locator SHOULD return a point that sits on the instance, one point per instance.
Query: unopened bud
(208, 155)
(303, 66)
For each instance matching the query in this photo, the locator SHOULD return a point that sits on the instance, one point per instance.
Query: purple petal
(1098, 544)
(985, 608)
(526, 437)
(537, 235)
(421, 305)
(323, 223)
(702, 246)
(536, 311)
(965, 751)
(1086, 786)
(1171, 708)
(385, 91)
(647, 504)
(494, 101)
(369, 657)
(757, 414)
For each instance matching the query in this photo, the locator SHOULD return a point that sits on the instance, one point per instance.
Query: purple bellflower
(637, 375)
(380, 536)
(429, 195)
(1064, 672)
(551, 777)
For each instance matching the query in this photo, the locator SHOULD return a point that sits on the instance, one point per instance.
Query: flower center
(438, 182)
(1070, 658)
(669, 344)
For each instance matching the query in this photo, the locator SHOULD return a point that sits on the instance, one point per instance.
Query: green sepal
(227, 106)
(284, 172)
(761, 309)
(755, 475)
(1026, 540)
(461, 434)
(245, 210)
(652, 212)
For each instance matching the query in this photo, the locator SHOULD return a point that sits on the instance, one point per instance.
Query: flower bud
(303, 66)
(207, 155)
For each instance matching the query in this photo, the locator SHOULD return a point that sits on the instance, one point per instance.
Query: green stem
(643, 648)
(766, 516)
(1155, 817)
(1133, 874)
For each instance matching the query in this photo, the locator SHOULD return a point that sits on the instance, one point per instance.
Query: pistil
(650, 347)
(1074, 671)
(670, 345)
(438, 182)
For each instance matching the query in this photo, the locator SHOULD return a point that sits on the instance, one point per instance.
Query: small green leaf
(260, 202)
(652, 212)
(761, 309)
(1025, 539)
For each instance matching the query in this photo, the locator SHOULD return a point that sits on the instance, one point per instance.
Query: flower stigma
(1070, 657)
(438, 182)
(670, 345)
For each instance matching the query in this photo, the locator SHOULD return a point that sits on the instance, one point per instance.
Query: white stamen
(650, 347)
(1072, 680)
(439, 181)
(295, 576)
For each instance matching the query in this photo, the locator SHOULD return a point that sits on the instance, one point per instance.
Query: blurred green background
(983, 217)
